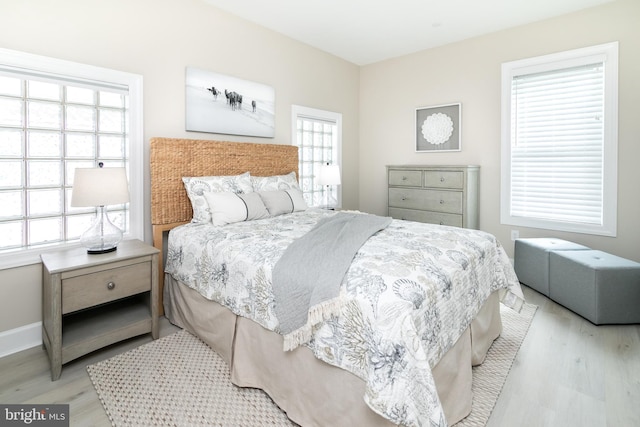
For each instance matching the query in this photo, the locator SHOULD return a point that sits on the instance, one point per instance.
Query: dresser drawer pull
(111, 286)
(441, 223)
(442, 179)
(442, 202)
(404, 178)
(404, 198)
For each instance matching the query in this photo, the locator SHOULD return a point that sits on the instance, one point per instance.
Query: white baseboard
(22, 338)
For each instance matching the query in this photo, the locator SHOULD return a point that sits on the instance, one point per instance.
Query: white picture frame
(438, 128)
(218, 103)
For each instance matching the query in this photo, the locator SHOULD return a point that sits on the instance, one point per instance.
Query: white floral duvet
(411, 291)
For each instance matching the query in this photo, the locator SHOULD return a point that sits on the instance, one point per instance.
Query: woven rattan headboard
(172, 159)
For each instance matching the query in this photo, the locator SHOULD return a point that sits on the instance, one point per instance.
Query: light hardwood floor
(25, 377)
(571, 373)
(568, 373)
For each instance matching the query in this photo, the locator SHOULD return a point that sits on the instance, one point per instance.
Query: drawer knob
(442, 202)
(111, 286)
(442, 179)
(441, 223)
(404, 178)
(403, 198)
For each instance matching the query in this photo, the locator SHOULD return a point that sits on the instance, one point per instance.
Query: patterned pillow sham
(280, 202)
(227, 208)
(197, 186)
(275, 182)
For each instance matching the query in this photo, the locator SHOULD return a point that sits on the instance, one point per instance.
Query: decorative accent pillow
(197, 186)
(275, 182)
(228, 207)
(283, 201)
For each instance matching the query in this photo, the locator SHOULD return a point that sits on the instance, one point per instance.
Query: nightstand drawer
(93, 288)
(405, 178)
(444, 179)
(431, 200)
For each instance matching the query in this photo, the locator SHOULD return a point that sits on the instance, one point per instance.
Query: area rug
(489, 377)
(179, 381)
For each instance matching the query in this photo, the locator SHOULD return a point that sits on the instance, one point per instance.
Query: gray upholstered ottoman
(600, 287)
(531, 260)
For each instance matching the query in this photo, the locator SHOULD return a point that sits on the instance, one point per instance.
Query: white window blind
(559, 141)
(557, 144)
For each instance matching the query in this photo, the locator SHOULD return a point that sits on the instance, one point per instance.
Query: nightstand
(91, 301)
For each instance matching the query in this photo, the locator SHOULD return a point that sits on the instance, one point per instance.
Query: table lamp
(328, 175)
(99, 187)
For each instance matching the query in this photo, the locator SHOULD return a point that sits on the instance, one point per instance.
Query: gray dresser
(446, 195)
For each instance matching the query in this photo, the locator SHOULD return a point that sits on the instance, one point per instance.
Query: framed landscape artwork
(217, 103)
(438, 128)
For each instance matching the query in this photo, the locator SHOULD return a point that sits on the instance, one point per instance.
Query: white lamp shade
(99, 187)
(329, 175)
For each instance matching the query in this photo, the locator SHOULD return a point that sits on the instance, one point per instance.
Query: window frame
(298, 111)
(74, 70)
(607, 53)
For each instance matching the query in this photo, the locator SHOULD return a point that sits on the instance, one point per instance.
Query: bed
(322, 381)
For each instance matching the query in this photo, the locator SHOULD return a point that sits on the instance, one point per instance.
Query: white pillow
(227, 207)
(275, 182)
(197, 186)
(283, 201)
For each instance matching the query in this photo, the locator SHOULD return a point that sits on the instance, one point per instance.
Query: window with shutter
(559, 141)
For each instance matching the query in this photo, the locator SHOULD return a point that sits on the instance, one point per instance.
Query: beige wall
(158, 39)
(469, 72)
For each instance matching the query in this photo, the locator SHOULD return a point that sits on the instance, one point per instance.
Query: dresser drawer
(405, 178)
(444, 179)
(93, 288)
(453, 220)
(430, 200)
(445, 194)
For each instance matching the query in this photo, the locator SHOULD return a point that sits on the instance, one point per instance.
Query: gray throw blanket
(307, 278)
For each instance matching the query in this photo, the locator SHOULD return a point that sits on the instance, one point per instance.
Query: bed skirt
(310, 391)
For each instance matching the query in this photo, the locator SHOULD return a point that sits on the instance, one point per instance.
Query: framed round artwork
(438, 128)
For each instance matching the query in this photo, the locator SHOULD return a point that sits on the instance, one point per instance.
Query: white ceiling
(368, 31)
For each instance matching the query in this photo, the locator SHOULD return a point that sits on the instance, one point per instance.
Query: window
(56, 116)
(318, 135)
(559, 141)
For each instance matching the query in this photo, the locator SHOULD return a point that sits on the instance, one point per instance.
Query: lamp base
(328, 201)
(101, 251)
(102, 237)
